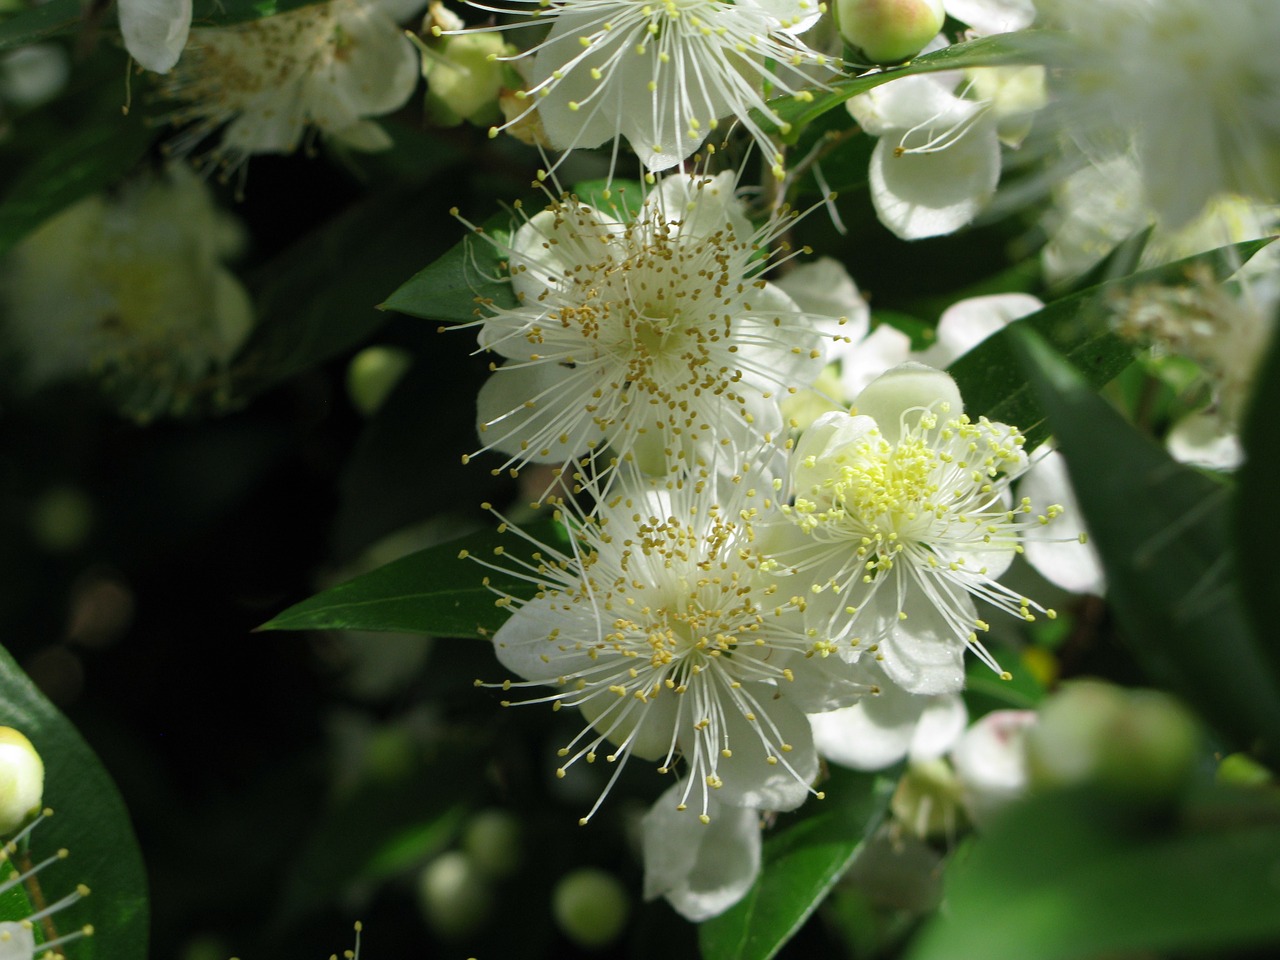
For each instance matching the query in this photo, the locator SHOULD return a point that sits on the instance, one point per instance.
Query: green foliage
(801, 864)
(1073, 875)
(1163, 532)
(90, 821)
(434, 591)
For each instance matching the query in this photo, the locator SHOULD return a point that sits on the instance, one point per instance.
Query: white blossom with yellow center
(327, 66)
(664, 625)
(655, 336)
(901, 518)
(662, 75)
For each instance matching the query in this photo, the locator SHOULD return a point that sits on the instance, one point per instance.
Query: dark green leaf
(801, 864)
(433, 591)
(1078, 326)
(1002, 50)
(1162, 532)
(453, 287)
(1257, 523)
(85, 163)
(90, 821)
(304, 317)
(1061, 877)
(39, 23)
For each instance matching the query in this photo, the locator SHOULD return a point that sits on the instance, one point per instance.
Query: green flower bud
(373, 374)
(889, 31)
(21, 779)
(455, 896)
(492, 838)
(591, 907)
(1138, 744)
(927, 801)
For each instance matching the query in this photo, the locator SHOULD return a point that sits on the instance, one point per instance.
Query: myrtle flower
(327, 66)
(663, 624)
(663, 75)
(656, 335)
(155, 31)
(1193, 85)
(901, 518)
(937, 161)
(132, 291)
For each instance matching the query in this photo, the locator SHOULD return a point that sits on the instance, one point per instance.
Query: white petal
(922, 653)
(749, 779)
(702, 869)
(507, 422)
(966, 324)
(17, 941)
(547, 248)
(898, 396)
(922, 101)
(824, 288)
(589, 126)
(1203, 440)
(992, 16)
(522, 645)
(860, 363)
(703, 206)
(872, 734)
(1070, 564)
(155, 31)
(929, 194)
(991, 763)
(940, 726)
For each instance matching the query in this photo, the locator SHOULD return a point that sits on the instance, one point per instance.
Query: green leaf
(87, 162)
(304, 316)
(1077, 326)
(1162, 532)
(90, 821)
(1062, 877)
(801, 864)
(1256, 520)
(453, 287)
(433, 591)
(39, 23)
(1002, 50)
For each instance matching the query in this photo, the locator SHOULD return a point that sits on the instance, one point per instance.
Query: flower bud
(927, 800)
(1138, 744)
(492, 838)
(889, 31)
(990, 762)
(372, 374)
(591, 907)
(455, 897)
(21, 779)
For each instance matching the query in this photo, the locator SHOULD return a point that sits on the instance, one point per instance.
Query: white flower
(665, 626)
(901, 517)
(132, 290)
(327, 65)
(937, 161)
(987, 17)
(701, 869)
(662, 75)
(1193, 85)
(155, 31)
(655, 336)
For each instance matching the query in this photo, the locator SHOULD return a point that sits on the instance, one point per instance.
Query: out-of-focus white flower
(667, 628)
(902, 516)
(327, 66)
(881, 729)
(131, 290)
(655, 336)
(937, 161)
(701, 869)
(1193, 85)
(663, 75)
(1100, 205)
(991, 764)
(986, 17)
(33, 74)
(155, 31)
(1205, 440)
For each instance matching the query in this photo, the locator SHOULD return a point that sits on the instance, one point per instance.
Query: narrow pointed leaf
(453, 288)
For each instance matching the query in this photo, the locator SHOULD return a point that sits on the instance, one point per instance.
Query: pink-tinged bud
(889, 31)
